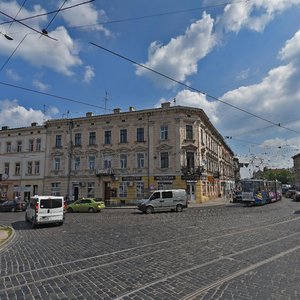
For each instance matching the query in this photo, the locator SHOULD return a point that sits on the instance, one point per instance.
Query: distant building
(119, 157)
(296, 159)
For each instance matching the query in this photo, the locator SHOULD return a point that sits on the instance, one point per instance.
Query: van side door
(155, 200)
(167, 200)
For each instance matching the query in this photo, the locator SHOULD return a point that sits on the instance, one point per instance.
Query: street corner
(6, 235)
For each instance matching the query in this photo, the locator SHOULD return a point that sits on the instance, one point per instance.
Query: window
(140, 160)
(155, 195)
(140, 135)
(190, 162)
(164, 132)
(19, 146)
(167, 194)
(123, 161)
(55, 189)
(29, 167)
(164, 160)
(57, 163)
(107, 161)
(189, 132)
(123, 136)
(140, 189)
(91, 189)
(6, 168)
(92, 138)
(30, 145)
(38, 145)
(107, 137)
(58, 141)
(77, 139)
(92, 160)
(123, 190)
(17, 168)
(77, 163)
(51, 203)
(8, 147)
(36, 167)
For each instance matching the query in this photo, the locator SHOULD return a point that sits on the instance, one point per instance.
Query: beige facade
(296, 160)
(120, 157)
(22, 161)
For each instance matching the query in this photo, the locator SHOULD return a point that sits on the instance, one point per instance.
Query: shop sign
(164, 178)
(190, 177)
(132, 178)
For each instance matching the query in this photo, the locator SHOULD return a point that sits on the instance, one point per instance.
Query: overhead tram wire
(191, 88)
(49, 13)
(52, 95)
(21, 7)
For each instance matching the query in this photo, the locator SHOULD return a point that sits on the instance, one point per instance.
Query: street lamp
(6, 36)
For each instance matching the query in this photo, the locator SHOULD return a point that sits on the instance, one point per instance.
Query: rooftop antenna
(105, 101)
(44, 112)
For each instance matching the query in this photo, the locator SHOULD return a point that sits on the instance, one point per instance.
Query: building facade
(121, 157)
(118, 157)
(296, 174)
(22, 161)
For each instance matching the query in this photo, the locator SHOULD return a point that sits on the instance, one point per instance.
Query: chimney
(131, 108)
(117, 110)
(166, 105)
(89, 114)
(33, 124)
(5, 127)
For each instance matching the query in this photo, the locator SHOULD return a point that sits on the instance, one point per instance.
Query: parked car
(296, 196)
(290, 193)
(13, 205)
(86, 205)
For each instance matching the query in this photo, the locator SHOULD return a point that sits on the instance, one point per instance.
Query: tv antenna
(105, 101)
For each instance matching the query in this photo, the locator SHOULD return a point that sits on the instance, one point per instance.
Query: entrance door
(191, 190)
(107, 191)
(75, 192)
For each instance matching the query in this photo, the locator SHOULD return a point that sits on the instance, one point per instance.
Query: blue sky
(246, 53)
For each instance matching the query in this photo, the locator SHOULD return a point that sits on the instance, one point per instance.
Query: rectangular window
(36, 167)
(123, 136)
(6, 168)
(140, 160)
(190, 161)
(140, 135)
(92, 161)
(189, 132)
(29, 167)
(77, 139)
(17, 168)
(31, 145)
(8, 147)
(107, 137)
(92, 138)
(107, 161)
(164, 132)
(164, 160)
(19, 146)
(91, 189)
(123, 161)
(123, 189)
(58, 143)
(77, 163)
(38, 144)
(57, 163)
(139, 189)
(55, 189)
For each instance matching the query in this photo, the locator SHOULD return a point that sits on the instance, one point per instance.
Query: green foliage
(285, 176)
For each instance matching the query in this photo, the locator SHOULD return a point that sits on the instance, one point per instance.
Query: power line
(17, 13)
(190, 87)
(51, 95)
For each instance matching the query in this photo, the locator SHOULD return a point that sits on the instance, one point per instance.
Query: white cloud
(291, 49)
(89, 74)
(85, 15)
(43, 87)
(244, 74)
(14, 115)
(179, 58)
(12, 74)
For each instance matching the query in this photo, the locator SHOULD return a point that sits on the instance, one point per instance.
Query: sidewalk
(6, 233)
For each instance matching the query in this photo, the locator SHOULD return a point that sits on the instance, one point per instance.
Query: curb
(6, 241)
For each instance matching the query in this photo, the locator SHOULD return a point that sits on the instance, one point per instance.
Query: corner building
(121, 157)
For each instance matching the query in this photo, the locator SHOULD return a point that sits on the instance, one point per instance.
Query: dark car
(296, 196)
(13, 205)
(290, 193)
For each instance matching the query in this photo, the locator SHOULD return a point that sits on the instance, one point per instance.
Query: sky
(238, 60)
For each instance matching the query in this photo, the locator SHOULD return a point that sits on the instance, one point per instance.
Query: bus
(260, 192)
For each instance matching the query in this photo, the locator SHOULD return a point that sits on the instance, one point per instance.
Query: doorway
(191, 191)
(107, 191)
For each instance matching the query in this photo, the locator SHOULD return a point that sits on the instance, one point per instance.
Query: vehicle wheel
(91, 210)
(60, 223)
(69, 210)
(179, 208)
(13, 209)
(149, 210)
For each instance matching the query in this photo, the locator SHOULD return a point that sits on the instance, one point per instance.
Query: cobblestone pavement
(222, 252)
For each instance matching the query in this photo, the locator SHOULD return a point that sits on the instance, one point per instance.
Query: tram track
(62, 269)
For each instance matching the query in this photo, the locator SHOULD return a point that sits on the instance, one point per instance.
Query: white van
(161, 200)
(45, 209)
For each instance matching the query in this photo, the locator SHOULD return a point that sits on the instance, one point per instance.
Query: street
(221, 252)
